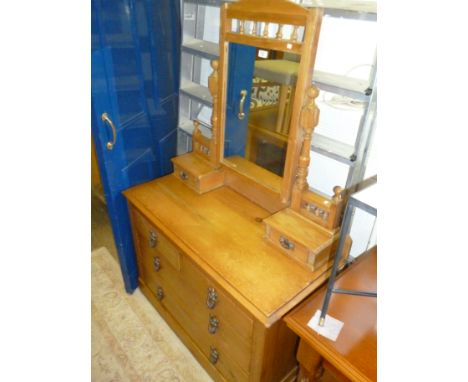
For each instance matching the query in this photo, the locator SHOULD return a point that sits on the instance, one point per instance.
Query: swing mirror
(260, 93)
(267, 52)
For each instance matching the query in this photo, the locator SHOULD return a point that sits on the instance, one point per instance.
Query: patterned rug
(130, 341)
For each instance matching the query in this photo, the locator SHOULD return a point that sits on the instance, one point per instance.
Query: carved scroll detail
(213, 87)
(308, 121)
(201, 144)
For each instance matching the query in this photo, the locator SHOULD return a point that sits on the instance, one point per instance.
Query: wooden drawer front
(288, 245)
(188, 316)
(177, 298)
(154, 242)
(233, 334)
(187, 177)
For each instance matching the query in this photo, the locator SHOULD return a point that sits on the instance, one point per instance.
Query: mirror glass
(261, 86)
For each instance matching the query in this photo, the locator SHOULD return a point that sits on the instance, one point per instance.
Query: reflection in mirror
(261, 85)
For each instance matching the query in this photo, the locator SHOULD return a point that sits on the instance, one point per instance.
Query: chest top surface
(223, 231)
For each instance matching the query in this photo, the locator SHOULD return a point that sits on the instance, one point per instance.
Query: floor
(116, 352)
(101, 231)
(130, 340)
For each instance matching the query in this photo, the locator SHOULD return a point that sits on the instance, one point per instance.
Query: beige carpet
(130, 341)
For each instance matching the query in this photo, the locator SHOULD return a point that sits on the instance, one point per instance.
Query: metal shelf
(201, 48)
(343, 85)
(359, 10)
(334, 149)
(213, 3)
(197, 92)
(187, 126)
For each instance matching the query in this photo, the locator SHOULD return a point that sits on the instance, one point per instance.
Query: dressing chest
(226, 246)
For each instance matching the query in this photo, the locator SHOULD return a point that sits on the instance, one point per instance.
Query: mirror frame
(273, 197)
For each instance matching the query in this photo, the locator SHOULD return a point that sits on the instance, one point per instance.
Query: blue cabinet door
(135, 79)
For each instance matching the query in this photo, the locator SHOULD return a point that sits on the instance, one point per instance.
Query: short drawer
(191, 180)
(288, 245)
(154, 242)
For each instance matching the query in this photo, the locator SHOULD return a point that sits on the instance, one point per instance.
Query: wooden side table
(353, 356)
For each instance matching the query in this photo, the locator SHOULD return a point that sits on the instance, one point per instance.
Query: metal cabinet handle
(212, 298)
(213, 324)
(241, 114)
(159, 293)
(156, 263)
(285, 243)
(214, 355)
(183, 175)
(153, 239)
(105, 118)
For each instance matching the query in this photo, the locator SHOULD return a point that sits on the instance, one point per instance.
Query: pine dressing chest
(228, 244)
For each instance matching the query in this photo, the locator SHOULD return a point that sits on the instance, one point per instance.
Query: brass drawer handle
(183, 175)
(153, 239)
(213, 324)
(212, 298)
(160, 293)
(285, 243)
(214, 355)
(105, 118)
(241, 114)
(156, 263)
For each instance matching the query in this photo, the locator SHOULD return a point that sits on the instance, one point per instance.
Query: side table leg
(331, 281)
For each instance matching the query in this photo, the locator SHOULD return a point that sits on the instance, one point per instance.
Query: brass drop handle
(160, 293)
(105, 118)
(212, 298)
(156, 263)
(241, 114)
(153, 239)
(213, 324)
(214, 355)
(183, 175)
(285, 243)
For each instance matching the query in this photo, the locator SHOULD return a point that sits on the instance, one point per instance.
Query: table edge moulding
(222, 255)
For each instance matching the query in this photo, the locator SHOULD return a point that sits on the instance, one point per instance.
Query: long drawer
(221, 321)
(221, 330)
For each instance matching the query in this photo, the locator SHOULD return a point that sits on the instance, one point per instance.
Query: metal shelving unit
(197, 52)
(195, 95)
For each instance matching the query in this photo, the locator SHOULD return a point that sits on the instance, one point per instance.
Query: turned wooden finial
(312, 93)
(337, 197)
(310, 112)
(308, 121)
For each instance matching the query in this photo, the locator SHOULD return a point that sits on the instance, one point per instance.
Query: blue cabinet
(135, 60)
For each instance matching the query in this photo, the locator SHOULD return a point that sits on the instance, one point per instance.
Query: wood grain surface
(354, 353)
